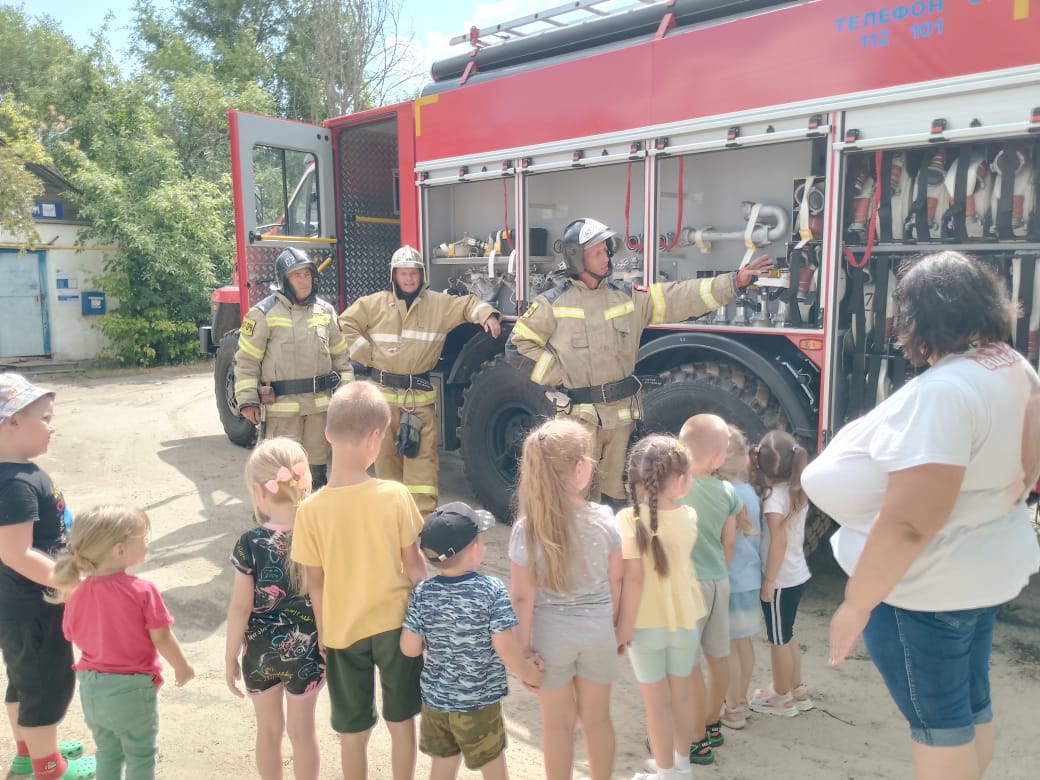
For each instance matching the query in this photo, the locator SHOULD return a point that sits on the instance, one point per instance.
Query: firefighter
(291, 356)
(582, 339)
(399, 333)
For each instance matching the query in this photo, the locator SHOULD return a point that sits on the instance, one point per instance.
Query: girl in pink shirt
(121, 626)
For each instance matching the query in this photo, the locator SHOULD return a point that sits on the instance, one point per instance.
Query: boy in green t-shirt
(706, 436)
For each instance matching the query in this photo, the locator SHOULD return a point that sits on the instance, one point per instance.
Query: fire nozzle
(761, 233)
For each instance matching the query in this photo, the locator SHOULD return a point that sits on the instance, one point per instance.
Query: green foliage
(19, 188)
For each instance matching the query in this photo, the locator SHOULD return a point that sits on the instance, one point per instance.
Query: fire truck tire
(737, 396)
(499, 407)
(238, 428)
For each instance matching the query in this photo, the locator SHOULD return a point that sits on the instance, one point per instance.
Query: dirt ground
(154, 439)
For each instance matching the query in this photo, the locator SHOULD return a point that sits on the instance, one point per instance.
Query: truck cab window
(286, 192)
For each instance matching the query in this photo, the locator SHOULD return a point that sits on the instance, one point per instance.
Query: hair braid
(658, 469)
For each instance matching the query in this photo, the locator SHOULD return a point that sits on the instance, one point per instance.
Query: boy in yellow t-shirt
(357, 539)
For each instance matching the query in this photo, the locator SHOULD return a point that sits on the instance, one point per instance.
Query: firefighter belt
(403, 381)
(315, 384)
(612, 391)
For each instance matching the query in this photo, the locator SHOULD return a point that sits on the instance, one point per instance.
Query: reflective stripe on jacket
(280, 340)
(386, 334)
(580, 337)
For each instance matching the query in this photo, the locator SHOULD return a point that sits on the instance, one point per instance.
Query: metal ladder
(497, 33)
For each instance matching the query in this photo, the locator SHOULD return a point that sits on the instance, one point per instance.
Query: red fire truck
(837, 136)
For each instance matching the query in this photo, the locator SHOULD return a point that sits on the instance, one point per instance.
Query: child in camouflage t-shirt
(465, 622)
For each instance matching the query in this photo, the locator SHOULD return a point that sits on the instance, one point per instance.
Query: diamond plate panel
(367, 159)
(260, 259)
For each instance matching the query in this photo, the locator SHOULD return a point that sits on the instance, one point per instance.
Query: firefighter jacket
(386, 334)
(574, 336)
(280, 340)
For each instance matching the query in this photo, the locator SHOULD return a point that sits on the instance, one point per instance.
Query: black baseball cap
(451, 528)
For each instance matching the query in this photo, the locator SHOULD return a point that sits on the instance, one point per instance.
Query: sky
(433, 23)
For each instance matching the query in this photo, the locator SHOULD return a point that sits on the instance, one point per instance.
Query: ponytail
(778, 459)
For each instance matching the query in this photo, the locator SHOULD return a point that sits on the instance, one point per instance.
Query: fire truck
(839, 137)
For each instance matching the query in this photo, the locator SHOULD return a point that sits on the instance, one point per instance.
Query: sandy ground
(154, 439)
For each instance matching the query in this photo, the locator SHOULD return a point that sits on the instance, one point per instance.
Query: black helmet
(290, 260)
(578, 236)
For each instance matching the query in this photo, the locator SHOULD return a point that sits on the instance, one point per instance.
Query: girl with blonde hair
(745, 580)
(565, 584)
(118, 680)
(270, 618)
(660, 598)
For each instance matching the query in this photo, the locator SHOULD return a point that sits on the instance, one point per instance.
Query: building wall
(70, 271)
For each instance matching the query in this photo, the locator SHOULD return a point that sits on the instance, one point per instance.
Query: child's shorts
(575, 645)
(714, 626)
(39, 662)
(745, 614)
(352, 688)
(780, 613)
(656, 652)
(282, 655)
(479, 735)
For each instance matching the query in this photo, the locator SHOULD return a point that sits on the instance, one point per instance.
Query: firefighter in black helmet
(582, 338)
(291, 355)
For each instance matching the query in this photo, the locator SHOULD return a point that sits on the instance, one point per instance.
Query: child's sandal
(701, 753)
(713, 734)
(70, 748)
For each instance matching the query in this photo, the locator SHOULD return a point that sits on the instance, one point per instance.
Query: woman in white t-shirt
(929, 489)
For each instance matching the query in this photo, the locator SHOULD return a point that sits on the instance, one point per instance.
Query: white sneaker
(651, 765)
(767, 702)
(801, 699)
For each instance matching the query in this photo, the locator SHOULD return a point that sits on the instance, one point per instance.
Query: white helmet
(407, 257)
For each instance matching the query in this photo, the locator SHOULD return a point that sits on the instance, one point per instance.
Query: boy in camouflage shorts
(465, 622)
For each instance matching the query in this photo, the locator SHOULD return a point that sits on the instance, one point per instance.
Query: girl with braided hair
(777, 463)
(660, 599)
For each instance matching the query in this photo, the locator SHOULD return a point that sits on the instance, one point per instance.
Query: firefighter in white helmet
(400, 333)
(583, 339)
(291, 356)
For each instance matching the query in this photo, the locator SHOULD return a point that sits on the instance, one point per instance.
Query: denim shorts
(936, 666)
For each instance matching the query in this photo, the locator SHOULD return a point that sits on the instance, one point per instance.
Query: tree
(20, 147)
(346, 56)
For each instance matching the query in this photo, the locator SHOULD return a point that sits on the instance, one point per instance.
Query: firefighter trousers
(419, 474)
(307, 429)
(609, 447)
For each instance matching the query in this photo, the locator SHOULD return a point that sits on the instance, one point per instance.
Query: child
(777, 463)
(33, 522)
(356, 538)
(745, 582)
(118, 680)
(270, 620)
(706, 436)
(660, 598)
(565, 584)
(467, 626)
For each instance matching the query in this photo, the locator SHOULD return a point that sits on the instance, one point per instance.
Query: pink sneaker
(768, 702)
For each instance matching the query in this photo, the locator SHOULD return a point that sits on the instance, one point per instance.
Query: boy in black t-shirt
(33, 525)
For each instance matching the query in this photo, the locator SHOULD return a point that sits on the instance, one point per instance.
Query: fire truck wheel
(735, 395)
(499, 407)
(238, 428)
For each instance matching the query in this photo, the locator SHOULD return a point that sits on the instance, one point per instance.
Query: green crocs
(82, 768)
(70, 748)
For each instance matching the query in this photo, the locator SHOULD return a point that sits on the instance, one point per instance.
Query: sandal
(713, 734)
(701, 753)
(70, 748)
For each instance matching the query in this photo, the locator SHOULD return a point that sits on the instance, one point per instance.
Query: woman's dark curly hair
(947, 302)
